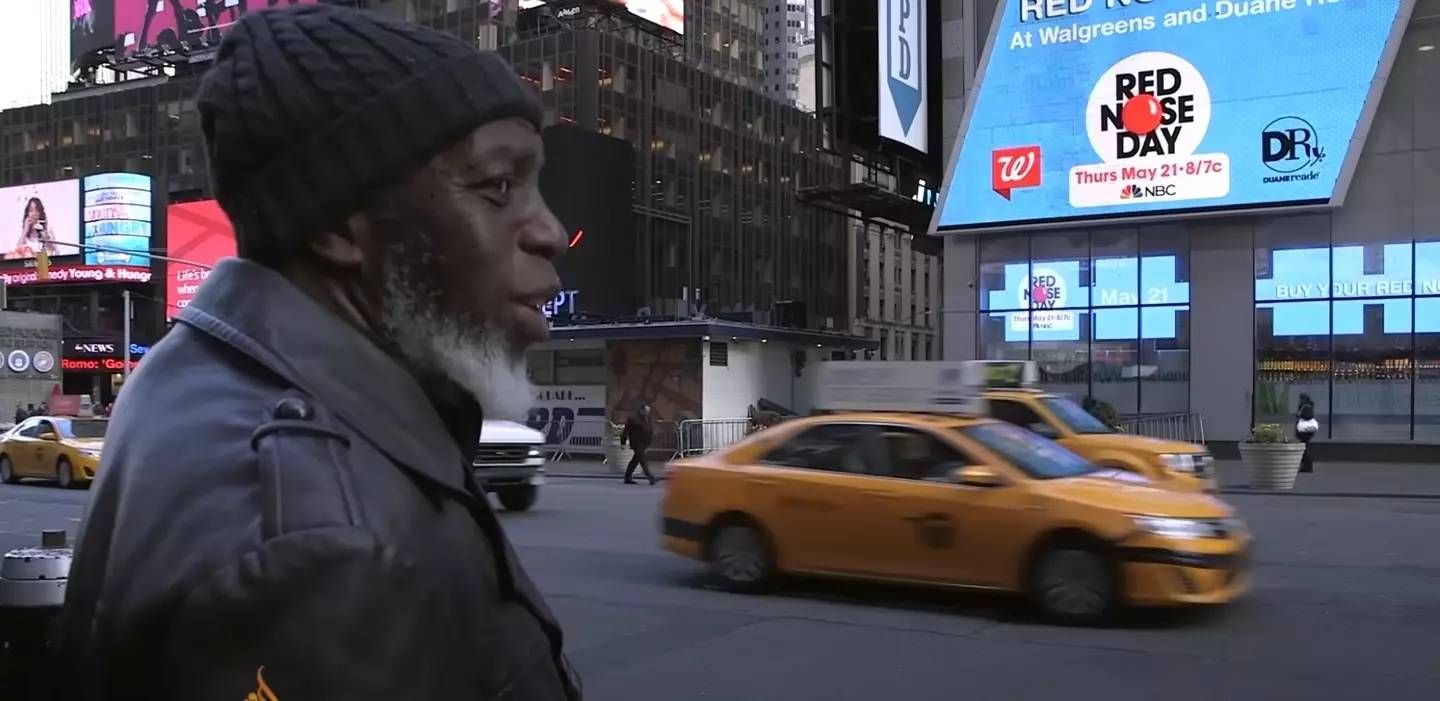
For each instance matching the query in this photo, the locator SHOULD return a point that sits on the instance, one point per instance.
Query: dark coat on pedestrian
(639, 431)
(284, 507)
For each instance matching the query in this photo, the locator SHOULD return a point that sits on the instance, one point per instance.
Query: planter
(1272, 466)
(616, 456)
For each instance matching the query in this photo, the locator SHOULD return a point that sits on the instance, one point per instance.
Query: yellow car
(61, 448)
(1175, 465)
(955, 501)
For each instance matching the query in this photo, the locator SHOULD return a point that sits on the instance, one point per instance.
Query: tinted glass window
(82, 428)
(833, 447)
(910, 454)
(1037, 457)
(1079, 420)
(1013, 412)
(30, 429)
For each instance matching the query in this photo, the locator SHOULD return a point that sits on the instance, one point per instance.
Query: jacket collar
(260, 313)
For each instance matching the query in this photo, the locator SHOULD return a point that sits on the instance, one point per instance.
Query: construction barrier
(1176, 427)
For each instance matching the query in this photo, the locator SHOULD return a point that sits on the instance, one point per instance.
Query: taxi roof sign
(908, 386)
(1003, 374)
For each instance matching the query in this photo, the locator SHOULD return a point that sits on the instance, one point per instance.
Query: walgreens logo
(1014, 168)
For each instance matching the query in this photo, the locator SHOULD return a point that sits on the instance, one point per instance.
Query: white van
(510, 461)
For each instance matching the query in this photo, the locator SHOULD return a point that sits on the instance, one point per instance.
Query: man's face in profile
(468, 246)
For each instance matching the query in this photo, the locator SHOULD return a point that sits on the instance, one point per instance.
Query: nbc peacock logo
(1131, 192)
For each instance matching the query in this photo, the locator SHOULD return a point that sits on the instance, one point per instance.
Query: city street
(1346, 606)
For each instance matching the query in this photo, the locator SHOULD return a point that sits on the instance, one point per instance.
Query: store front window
(1355, 326)
(1104, 313)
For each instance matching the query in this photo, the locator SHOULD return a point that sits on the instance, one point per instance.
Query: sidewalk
(1345, 479)
(1395, 481)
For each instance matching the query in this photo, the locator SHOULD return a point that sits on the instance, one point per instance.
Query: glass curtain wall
(1105, 313)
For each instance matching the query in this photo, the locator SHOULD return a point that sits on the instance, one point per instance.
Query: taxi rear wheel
(64, 474)
(7, 470)
(740, 558)
(1074, 583)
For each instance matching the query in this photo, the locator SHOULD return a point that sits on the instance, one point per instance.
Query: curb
(593, 476)
(1244, 491)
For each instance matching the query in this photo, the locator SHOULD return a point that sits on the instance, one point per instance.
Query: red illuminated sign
(199, 232)
(96, 364)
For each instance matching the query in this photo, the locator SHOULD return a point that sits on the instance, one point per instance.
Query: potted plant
(1271, 457)
(617, 456)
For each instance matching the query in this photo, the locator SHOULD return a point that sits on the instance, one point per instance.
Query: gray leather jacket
(283, 510)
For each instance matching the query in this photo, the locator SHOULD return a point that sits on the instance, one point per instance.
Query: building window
(1353, 324)
(1105, 313)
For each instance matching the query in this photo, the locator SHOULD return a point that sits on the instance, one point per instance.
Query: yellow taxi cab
(65, 449)
(949, 500)
(1011, 396)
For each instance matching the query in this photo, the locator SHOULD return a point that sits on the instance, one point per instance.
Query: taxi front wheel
(1074, 583)
(740, 558)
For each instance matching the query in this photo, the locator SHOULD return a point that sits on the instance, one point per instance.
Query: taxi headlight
(1167, 527)
(1179, 462)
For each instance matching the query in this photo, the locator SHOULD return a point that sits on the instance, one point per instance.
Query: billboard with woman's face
(42, 216)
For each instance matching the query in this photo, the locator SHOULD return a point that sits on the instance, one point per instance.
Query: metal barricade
(1176, 427)
(699, 436)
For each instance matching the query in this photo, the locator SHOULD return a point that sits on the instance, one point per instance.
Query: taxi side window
(1016, 413)
(919, 455)
(832, 447)
(31, 430)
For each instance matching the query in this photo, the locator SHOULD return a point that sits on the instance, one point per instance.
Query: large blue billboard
(1111, 109)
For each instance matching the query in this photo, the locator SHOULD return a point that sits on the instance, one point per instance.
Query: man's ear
(345, 247)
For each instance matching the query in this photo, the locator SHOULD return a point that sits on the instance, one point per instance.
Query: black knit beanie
(308, 111)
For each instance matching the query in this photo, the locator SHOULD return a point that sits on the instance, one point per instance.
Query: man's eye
(495, 186)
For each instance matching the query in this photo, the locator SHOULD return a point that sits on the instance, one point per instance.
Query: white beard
(477, 360)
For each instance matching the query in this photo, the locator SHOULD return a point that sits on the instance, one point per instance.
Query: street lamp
(44, 259)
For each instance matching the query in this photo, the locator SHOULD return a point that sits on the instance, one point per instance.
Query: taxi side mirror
(977, 476)
(49, 436)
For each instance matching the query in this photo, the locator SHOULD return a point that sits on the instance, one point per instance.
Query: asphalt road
(1346, 606)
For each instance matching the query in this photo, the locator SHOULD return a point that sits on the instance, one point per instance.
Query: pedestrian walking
(1306, 426)
(639, 430)
(318, 533)
(30, 411)
(20, 414)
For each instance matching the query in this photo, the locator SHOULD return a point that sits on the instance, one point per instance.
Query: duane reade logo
(1288, 146)
(1146, 119)
(1148, 104)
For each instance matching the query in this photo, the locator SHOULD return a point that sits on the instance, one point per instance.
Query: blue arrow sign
(905, 57)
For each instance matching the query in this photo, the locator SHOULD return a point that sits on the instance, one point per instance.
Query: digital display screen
(198, 232)
(1091, 110)
(134, 25)
(1053, 296)
(118, 219)
(43, 216)
(1299, 282)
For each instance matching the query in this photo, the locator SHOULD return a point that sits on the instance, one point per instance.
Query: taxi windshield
(1070, 413)
(1035, 456)
(81, 428)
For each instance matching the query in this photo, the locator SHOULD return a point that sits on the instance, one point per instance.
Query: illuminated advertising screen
(198, 232)
(669, 14)
(1055, 295)
(1299, 286)
(134, 25)
(588, 182)
(1113, 109)
(118, 219)
(43, 216)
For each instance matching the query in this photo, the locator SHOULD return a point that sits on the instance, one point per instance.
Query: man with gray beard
(286, 508)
